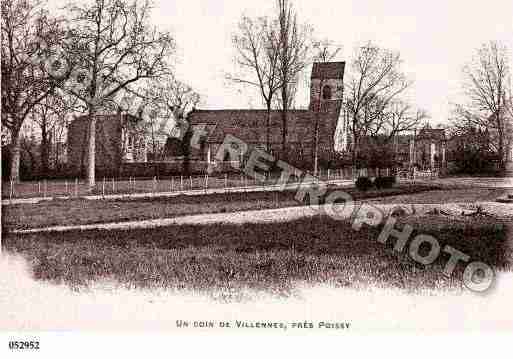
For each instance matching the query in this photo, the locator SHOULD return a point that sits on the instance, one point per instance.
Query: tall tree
(325, 50)
(486, 86)
(375, 81)
(112, 45)
(390, 120)
(294, 41)
(51, 116)
(177, 100)
(162, 107)
(25, 81)
(174, 99)
(257, 55)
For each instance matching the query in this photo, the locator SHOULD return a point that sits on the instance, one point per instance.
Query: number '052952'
(23, 345)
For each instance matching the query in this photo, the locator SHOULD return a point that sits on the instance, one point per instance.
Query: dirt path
(288, 214)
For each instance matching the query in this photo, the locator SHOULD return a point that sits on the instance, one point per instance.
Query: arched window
(326, 92)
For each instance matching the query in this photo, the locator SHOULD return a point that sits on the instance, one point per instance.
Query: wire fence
(180, 184)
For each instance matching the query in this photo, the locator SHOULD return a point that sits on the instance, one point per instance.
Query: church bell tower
(326, 96)
(327, 86)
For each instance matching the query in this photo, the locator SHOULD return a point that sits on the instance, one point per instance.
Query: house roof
(328, 70)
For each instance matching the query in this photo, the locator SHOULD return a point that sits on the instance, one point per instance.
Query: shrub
(364, 183)
(384, 182)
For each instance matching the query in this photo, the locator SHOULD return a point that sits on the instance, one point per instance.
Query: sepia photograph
(281, 167)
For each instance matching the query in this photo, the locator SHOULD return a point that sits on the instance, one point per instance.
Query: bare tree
(397, 117)
(25, 83)
(51, 116)
(376, 80)
(487, 78)
(294, 44)
(162, 107)
(325, 50)
(175, 99)
(112, 43)
(257, 55)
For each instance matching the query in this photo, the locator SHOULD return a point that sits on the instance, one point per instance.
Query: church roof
(328, 70)
(250, 125)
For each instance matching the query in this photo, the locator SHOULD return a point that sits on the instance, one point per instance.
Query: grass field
(81, 211)
(271, 257)
(467, 195)
(108, 186)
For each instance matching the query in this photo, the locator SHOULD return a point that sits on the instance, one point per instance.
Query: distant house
(326, 95)
(117, 141)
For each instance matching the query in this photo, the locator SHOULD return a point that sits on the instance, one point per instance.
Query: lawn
(108, 186)
(270, 257)
(455, 195)
(82, 211)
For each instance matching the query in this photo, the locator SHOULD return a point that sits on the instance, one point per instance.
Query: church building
(323, 117)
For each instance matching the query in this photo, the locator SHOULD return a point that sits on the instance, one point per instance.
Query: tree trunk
(500, 150)
(284, 122)
(44, 149)
(91, 150)
(16, 156)
(316, 131)
(316, 146)
(354, 155)
(268, 129)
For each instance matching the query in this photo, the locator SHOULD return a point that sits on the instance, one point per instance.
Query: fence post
(181, 183)
(172, 183)
(113, 188)
(206, 183)
(39, 188)
(190, 180)
(12, 190)
(66, 185)
(76, 187)
(225, 181)
(103, 187)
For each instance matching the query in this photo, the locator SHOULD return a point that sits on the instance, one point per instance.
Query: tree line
(100, 56)
(483, 120)
(272, 53)
(106, 56)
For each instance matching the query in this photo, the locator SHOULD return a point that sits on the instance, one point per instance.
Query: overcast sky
(435, 39)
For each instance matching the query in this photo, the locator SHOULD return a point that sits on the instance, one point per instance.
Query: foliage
(364, 183)
(384, 182)
(473, 152)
